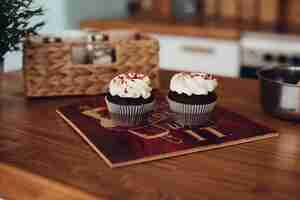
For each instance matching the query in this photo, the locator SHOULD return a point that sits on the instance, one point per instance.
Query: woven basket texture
(49, 70)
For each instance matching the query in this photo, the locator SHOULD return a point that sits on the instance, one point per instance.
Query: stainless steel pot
(280, 94)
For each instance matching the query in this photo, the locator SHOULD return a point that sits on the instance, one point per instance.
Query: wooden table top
(42, 158)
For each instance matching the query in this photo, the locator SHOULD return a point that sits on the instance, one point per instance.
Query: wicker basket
(50, 71)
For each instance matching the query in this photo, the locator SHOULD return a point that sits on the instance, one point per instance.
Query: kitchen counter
(42, 158)
(185, 46)
(167, 27)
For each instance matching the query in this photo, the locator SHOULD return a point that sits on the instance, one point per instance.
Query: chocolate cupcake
(130, 96)
(192, 96)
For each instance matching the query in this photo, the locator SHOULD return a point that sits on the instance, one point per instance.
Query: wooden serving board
(161, 137)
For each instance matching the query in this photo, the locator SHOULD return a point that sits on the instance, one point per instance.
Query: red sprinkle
(200, 74)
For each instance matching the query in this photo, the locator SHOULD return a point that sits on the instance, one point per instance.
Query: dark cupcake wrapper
(191, 109)
(133, 120)
(193, 119)
(129, 110)
(192, 115)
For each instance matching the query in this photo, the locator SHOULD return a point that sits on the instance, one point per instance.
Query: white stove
(264, 50)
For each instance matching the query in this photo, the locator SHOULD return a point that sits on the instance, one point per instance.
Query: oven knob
(282, 59)
(295, 60)
(268, 57)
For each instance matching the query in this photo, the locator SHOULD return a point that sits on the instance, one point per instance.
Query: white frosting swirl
(131, 85)
(193, 83)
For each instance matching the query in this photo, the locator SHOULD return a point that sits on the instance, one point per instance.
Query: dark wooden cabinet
(275, 15)
(293, 14)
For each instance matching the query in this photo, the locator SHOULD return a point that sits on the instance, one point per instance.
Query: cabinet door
(199, 54)
(293, 13)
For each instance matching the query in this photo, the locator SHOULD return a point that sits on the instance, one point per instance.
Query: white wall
(67, 14)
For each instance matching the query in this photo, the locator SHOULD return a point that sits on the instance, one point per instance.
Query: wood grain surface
(35, 187)
(33, 138)
(155, 24)
(293, 12)
(229, 29)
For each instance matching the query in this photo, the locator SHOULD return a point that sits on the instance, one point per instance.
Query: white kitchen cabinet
(219, 57)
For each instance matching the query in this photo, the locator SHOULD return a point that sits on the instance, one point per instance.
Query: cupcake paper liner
(191, 114)
(192, 109)
(129, 110)
(131, 120)
(189, 119)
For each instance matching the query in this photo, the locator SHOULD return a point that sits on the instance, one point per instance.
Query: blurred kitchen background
(224, 37)
(66, 14)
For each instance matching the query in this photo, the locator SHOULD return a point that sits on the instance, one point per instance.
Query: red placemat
(162, 137)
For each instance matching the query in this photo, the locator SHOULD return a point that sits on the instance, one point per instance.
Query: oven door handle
(198, 49)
